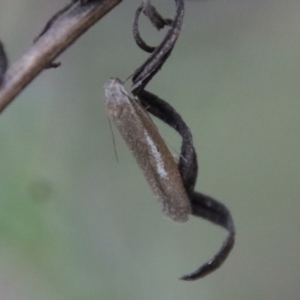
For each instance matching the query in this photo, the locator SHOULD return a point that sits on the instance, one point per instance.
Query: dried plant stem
(63, 31)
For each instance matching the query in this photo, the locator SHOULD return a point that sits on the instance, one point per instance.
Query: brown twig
(59, 35)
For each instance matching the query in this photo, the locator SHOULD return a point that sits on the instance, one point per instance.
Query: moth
(149, 149)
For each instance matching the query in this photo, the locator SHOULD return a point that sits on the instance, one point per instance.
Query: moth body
(149, 149)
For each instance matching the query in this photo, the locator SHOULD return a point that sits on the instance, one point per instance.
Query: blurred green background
(77, 224)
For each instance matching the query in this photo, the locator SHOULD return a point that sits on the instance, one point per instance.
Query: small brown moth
(149, 149)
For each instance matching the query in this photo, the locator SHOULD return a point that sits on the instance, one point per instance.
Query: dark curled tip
(136, 34)
(155, 61)
(3, 63)
(155, 18)
(210, 209)
(214, 263)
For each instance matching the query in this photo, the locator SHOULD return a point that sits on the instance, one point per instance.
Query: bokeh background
(77, 224)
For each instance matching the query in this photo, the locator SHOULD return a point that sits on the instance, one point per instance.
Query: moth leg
(202, 205)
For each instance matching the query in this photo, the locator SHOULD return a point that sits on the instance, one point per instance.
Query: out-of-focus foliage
(76, 224)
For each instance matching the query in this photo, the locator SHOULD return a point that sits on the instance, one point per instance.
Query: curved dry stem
(63, 30)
